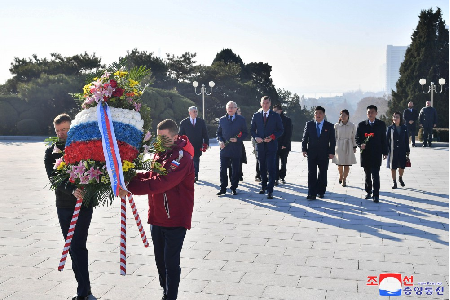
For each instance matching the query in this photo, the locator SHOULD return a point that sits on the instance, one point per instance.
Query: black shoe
(376, 199)
(413, 145)
(320, 196)
(195, 179)
(395, 185)
(344, 183)
(429, 144)
(262, 191)
(401, 181)
(311, 197)
(241, 179)
(80, 297)
(276, 182)
(221, 192)
(368, 196)
(424, 145)
(258, 179)
(340, 181)
(233, 192)
(270, 196)
(283, 181)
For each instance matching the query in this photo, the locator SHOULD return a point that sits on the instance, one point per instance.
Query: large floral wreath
(83, 162)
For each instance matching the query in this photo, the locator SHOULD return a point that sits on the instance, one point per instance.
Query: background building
(394, 58)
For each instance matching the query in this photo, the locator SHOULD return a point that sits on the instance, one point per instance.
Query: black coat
(376, 145)
(410, 116)
(428, 117)
(273, 127)
(285, 138)
(64, 197)
(197, 135)
(230, 129)
(398, 146)
(318, 147)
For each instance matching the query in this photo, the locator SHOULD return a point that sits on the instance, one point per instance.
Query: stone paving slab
(242, 247)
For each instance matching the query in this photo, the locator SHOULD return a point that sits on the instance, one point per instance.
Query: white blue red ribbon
(110, 148)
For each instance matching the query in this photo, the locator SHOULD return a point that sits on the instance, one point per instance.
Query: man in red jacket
(171, 202)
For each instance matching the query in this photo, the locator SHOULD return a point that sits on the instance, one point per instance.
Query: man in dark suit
(410, 116)
(266, 128)
(371, 138)
(318, 145)
(428, 120)
(195, 129)
(231, 132)
(284, 144)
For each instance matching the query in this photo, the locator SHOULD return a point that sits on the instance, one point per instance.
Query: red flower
(118, 92)
(105, 98)
(113, 83)
(240, 134)
(369, 134)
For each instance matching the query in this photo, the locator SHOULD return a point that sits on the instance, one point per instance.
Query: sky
(314, 47)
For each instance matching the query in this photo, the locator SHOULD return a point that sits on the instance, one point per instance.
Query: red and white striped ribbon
(138, 220)
(123, 237)
(69, 236)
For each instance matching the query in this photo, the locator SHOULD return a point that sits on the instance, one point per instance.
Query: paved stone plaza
(242, 247)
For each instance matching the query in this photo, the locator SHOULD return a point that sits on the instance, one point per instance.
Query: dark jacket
(375, 146)
(318, 147)
(198, 135)
(428, 117)
(273, 128)
(229, 129)
(398, 146)
(64, 197)
(171, 196)
(285, 138)
(409, 115)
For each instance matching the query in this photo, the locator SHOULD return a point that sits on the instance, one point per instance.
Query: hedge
(440, 134)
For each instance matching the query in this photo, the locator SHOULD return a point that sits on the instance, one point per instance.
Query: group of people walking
(271, 132)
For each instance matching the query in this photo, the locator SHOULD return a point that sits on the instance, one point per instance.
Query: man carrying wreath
(371, 138)
(231, 132)
(170, 201)
(66, 197)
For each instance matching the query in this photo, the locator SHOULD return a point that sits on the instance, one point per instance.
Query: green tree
(26, 69)
(181, 67)
(426, 57)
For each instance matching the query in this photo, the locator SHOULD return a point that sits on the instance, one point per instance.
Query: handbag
(408, 163)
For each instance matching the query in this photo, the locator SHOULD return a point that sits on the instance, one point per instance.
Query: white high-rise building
(395, 55)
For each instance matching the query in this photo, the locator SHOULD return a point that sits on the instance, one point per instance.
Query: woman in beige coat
(345, 146)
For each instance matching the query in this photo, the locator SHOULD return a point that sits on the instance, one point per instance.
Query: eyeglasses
(396, 117)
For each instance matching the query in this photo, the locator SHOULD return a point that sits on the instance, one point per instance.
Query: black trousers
(412, 133)
(317, 183)
(236, 169)
(267, 163)
(78, 251)
(427, 135)
(196, 160)
(372, 174)
(167, 244)
(282, 156)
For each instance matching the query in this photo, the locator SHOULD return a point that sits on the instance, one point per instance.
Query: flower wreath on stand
(106, 144)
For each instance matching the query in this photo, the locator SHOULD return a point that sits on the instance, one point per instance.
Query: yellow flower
(120, 73)
(61, 166)
(132, 82)
(87, 88)
(127, 165)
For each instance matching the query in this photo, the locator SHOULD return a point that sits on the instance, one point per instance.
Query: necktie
(193, 122)
(371, 124)
(265, 118)
(318, 130)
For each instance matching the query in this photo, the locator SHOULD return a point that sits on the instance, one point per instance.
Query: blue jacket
(273, 127)
(230, 129)
(318, 147)
(398, 146)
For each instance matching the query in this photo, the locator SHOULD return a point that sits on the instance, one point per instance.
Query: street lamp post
(203, 92)
(432, 87)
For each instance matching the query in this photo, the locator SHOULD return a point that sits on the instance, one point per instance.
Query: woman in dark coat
(398, 147)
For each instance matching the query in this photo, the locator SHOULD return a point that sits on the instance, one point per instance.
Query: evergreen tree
(426, 57)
